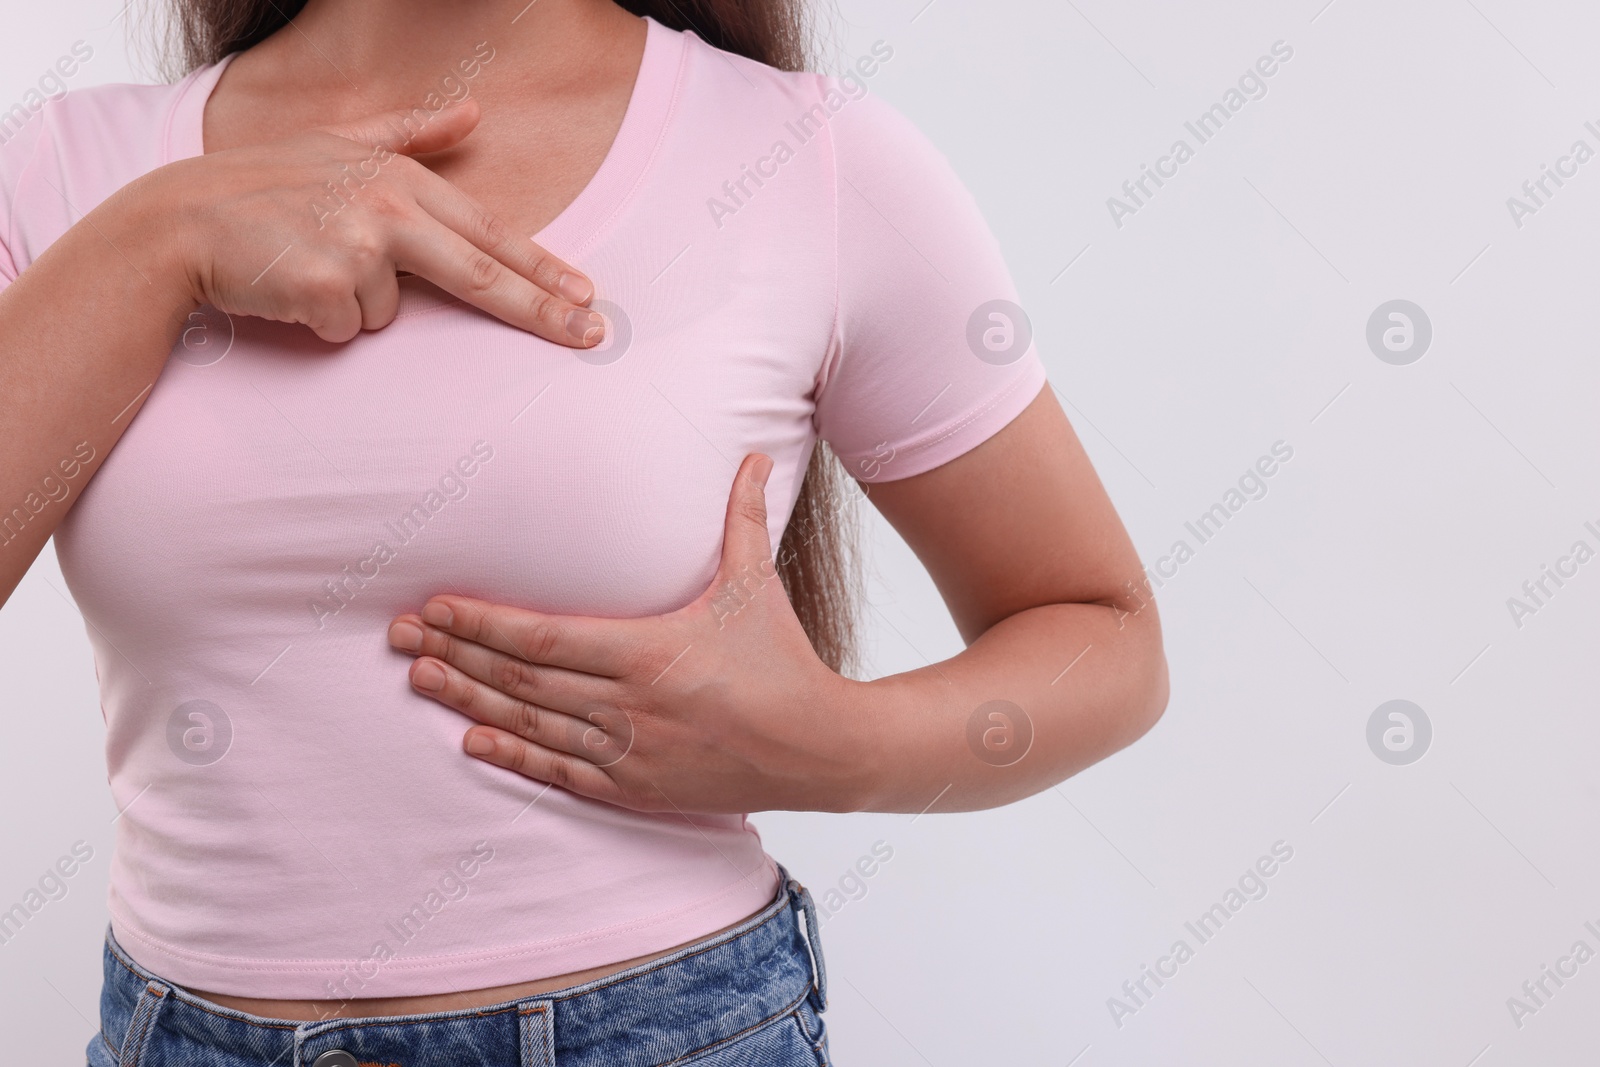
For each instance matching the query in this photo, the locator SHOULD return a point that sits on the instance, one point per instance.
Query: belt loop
(153, 996)
(537, 1019)
(819, 969)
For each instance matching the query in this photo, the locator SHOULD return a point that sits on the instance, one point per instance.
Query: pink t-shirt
(783, 257)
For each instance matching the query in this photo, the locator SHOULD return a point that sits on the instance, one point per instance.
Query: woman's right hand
(262, 233)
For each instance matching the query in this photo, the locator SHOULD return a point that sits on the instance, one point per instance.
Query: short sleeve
(8, 268)
(18, 145)
(62, 156)
(932, 354)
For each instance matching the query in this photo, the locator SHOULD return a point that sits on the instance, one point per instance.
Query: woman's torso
(539, 143)
(782, 258)
(270, 511)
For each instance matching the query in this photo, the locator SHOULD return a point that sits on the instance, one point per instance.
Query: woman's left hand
(722, 706)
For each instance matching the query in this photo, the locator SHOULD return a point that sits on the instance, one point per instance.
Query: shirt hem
(401, 976)
(958, 438)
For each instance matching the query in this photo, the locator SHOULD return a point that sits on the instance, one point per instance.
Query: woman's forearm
(84, 333)
(87, 328)
(1036, 698)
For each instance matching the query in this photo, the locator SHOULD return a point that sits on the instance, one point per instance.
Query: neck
(384, 51)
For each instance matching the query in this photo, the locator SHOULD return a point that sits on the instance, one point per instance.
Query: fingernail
(429, 676)
(586, 326)
(407, 636)
(479, 745)
(575, 288)
(440, 615)
(763, 471)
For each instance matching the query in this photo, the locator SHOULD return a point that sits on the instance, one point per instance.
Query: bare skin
(552, 98)
(724, 707)
(1018, 533)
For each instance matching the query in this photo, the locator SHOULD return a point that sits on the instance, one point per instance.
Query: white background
(1227, 314)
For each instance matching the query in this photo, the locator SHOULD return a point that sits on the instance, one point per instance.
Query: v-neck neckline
(650, 104)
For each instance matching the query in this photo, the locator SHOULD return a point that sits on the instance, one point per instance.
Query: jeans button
(337, 1057)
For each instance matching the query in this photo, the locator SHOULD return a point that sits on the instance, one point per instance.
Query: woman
(384, 467)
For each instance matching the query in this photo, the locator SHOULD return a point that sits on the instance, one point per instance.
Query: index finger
(600, 647)
(516, 250)
(439, 198)
(442, 255)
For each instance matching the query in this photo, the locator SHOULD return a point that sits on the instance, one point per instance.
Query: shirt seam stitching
(16, 193)
(967, 420)
(185, 87)
(835, 353)
(669, 117)
(443, 961)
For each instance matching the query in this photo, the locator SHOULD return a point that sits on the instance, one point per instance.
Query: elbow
(1118, 722)
(1156, 691)
(1125, 713)
(1145, 702)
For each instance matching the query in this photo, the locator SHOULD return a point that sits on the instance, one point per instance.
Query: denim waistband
(661, 1012)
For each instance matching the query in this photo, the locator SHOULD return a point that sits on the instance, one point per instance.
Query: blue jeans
(748, 997)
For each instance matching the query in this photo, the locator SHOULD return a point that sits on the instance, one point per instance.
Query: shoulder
(867, 138)
(742, 86)
(84, 125)
(61, 156)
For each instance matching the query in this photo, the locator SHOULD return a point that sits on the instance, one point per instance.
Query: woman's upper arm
(1017, 522)
(935, 398)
